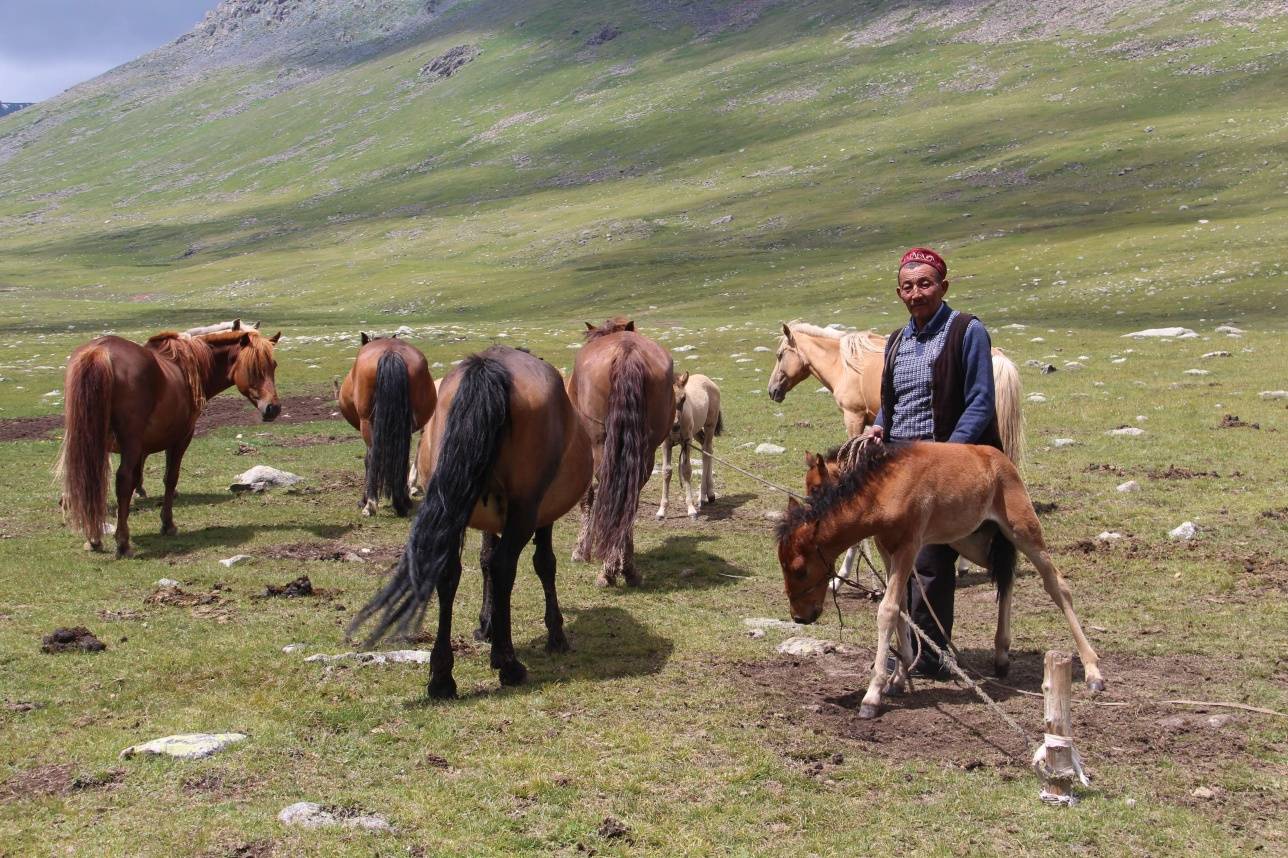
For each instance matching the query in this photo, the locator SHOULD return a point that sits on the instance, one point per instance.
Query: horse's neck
(846, 524)
(823, 355)
(220, 376)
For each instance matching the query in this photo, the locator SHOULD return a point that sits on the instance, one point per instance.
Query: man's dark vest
(947, 385)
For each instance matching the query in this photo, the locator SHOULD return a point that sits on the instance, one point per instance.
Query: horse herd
(508, 446)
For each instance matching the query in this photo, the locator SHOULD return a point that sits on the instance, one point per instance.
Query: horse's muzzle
(805, 620)
(270, 411)
(777, 394)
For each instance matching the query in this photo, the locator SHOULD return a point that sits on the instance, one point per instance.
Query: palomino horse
(697, 417)
(506, 454)
(387, 396)
(621, 386)
(850, 366)
(906, 496)
(138, 400)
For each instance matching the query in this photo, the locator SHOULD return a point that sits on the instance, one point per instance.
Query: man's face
(921, 291)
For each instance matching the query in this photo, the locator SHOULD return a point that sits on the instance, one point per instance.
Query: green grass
(509, 241)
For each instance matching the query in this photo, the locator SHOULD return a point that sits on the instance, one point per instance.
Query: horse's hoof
(1001, 669)
(442, 689)
(93, 546)
(513, 673)
(633, 579)
(578, 556)
(710, 500)
(603, 581)
(1096, 685)
(170, 530)
(557, 643)
(693, 516)
(124, 552)
(868, 711)
(481, 634)
(366, 511)
(660, 515)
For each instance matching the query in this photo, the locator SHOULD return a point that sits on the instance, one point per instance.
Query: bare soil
(77, 639)
(379, 555)
(55, 779)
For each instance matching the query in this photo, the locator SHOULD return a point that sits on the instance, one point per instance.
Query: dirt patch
(219, 783)
(1280, 514)
(75, 639)
(56, 779)
(179, 597)
(298, 588)
(381, 555)
(29, 428)
(1104, 468)
(1231, 421)
(1172, 472)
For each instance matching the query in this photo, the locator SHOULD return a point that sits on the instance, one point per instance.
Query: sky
(47, 46)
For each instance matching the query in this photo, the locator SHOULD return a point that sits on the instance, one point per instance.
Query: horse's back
(358, 390)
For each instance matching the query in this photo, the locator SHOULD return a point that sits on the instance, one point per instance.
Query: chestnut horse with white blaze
(697, 418)
(621, 386)
(504, 453)
(907, 496)
(388, 395)
(138, 400)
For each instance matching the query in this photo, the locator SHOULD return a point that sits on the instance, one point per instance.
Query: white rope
(1041, 765)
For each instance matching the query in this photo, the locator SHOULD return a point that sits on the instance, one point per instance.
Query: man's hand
(875, 434)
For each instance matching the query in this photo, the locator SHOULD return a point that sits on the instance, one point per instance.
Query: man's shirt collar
(936, 322)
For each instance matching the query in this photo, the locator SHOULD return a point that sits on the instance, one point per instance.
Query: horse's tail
(720, 422)
(391, 428)
(83, 464)
(1001, 563)
(477, 422)
(1010, 419)
(625, 463)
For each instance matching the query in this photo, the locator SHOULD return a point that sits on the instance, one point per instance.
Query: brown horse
(387, 396)
(906, 496)
(506, 454)
(621, 386)
(138, 400)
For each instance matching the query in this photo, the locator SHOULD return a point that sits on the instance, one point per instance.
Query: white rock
(396, 656)
(1119, 360)
(771, 623)
(235, 560)
(290, 648)
(1063, 442)
(1038, 340)
(805, 646)
(762, 349)
(1129, 431)
(1170, 333)
(774, 514)
(404, 331)
(308, 814)
(1072, 364)
(723, 219)
(1217, 354)
(1197, 372)
(1129, 486)
(1274, 394)
(262, 477)
(755, 634)
(185, 746)
(1036, 397)
(744, 360)
(1229, 329)
(683, 348)
(167, 582)
(1108, 536)
(1185, 531)
(768, 449)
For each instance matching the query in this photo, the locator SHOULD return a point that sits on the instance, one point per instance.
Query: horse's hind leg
(486, 550)
(369, 498)
(708, 480)
(543, 561)
(130, 457)
(666, 477)
(173, 459)
(138, 479)
(581, 552)
(441, 660)
(686, 477)
(1023, 529)
(505, 560)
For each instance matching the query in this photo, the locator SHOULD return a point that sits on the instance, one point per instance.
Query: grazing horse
(906, 496)
(697, 417)
(621, 386)
(504, 453)
(138, 400)
(388, 395)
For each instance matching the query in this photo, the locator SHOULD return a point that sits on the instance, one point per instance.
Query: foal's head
(680, 395)
(805, 571)
(790, 368)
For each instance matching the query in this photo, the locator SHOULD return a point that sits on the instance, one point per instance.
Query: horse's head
(790, 368)
(253, 369)
(805, 571)
(680, 395)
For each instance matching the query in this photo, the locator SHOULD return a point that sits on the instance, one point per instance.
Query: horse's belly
(489, 516)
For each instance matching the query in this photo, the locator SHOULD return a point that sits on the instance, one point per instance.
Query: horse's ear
(787, 332)
(682, 380)
(244, 342)
(236, 325)
(630, 326)
(810, 460)
(365, 339)
(792, 503)
(256, 325)
(273, 339)
(589, 326)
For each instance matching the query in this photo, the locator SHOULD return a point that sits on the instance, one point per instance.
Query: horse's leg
(131, 454)
(486, 550)
(517, 532)
(441, 683)
(369, 499)
(173, 459)
(543, 561)
(666, 476)
(708, 481)
(581, 552)
(1002, 638)
(1022, 528)
(887, 623)
(686, 476)
(847, 568)
(626, 560)
(138, 478)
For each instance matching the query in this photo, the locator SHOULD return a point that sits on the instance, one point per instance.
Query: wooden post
(1057, 684)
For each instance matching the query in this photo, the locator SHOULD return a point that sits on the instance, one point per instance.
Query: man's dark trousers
(935, 568)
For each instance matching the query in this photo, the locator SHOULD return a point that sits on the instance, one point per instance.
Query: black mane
(873, 461)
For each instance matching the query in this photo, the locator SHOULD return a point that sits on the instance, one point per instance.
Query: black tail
(476, 425)
(625, 463)
(1001, 563)
(391, 428)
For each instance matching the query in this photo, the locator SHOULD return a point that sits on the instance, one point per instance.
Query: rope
(728, 464)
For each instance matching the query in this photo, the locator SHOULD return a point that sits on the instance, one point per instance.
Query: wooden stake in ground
(1056, 760)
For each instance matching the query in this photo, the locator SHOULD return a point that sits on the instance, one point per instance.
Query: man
(937, 386)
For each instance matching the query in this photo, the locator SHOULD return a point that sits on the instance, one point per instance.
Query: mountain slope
(310, 160)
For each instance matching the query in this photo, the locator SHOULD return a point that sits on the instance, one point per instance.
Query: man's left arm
(977, 384)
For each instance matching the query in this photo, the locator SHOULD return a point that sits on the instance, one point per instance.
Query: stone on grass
(1197, 372)
(229, 562)
(1274, 394)
(1229, 329)
(771, 623)
(1108, 536)
(762, 349)
(1184, 531)
(1129, 486)
(1036, 397)
(805, 646)
(1205, 793)
(1063, 442)
(262, 477)
(768, 449)
(167, 582)
(396, 656)
(683, 348)
(290, 648)
(1216, 354)
(1176, 333)
(1127, 431)
(755, 634)
(309, 814)
(185, 746)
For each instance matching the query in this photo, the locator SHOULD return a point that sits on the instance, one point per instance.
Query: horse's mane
(853, 344)
(815, 330)
(870, 465)
(612, 326)
(256, 356)
(193, 357)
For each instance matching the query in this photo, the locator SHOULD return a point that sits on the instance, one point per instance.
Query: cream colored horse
(697, 417)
